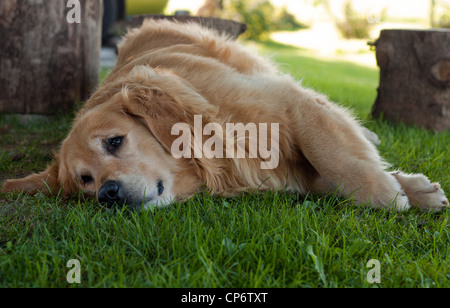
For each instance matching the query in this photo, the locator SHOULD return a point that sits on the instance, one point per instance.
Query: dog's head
(120, 149)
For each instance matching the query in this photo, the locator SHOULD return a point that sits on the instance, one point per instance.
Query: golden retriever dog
(158, 130)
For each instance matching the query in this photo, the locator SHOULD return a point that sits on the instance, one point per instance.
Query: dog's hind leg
(421, 192)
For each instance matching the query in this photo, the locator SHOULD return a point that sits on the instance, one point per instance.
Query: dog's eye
(113, 144)
(86, 179)
(160, 188)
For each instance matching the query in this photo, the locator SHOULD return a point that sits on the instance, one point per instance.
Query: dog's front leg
(346, 161)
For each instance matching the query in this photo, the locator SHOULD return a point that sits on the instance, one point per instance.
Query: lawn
(272, 240)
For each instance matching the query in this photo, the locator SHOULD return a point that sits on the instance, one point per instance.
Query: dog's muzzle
(115, 194)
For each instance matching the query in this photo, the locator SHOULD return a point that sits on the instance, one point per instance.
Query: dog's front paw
(432, 198)
(421, 192)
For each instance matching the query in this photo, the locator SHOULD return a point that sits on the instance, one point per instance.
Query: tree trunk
(414, 77)
(432, 12)
(47, 63)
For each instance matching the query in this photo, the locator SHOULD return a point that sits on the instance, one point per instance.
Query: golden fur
(166, 74)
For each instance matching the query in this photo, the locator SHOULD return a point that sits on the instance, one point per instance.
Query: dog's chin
(142, 204)
(157, 203)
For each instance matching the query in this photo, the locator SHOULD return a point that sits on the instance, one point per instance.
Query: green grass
(264, 240)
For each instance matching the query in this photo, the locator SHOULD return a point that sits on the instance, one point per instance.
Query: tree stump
(47, 63)
(414, 77)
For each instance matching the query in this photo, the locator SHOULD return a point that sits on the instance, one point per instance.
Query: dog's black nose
(110, 194)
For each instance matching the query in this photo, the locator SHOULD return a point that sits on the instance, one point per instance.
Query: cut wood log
(414, 77)
(48, 63)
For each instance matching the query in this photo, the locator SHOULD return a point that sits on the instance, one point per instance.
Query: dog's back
(194, 39)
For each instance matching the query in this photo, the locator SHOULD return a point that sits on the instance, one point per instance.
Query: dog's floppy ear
(158, 112)
(45, 182)
(161, 100)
